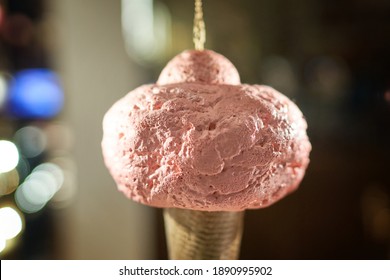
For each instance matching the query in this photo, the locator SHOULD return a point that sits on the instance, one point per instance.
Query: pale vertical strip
(102, 223)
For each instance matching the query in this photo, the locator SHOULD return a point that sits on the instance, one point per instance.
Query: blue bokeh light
(35, 94)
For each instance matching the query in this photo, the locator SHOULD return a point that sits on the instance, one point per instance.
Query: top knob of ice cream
(200, 140)
(205, 67)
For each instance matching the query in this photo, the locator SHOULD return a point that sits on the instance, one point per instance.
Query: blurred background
(64, 63)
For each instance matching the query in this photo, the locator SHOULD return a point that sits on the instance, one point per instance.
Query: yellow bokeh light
(9, 181)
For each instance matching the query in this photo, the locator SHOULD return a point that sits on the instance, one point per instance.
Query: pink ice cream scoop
(201, 140)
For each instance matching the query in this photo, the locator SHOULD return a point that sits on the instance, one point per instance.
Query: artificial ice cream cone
(205, 147)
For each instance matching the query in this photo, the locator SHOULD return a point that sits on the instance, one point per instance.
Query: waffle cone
(197, 235)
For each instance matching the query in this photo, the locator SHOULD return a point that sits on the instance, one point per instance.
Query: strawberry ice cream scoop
(200, 140)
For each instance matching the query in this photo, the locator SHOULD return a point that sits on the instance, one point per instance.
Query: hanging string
(199, 36)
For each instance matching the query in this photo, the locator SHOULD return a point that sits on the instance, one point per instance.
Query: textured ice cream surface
(205, 147)
(194, 66)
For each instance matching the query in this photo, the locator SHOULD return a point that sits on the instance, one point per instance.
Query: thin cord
(199, 27)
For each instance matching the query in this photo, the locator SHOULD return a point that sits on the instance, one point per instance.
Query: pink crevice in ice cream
(200, 140)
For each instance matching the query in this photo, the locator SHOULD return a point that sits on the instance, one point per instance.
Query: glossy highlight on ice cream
(200, 140)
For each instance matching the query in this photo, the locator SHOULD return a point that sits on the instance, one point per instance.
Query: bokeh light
(31, 141)
(9, 156)
(146, 26)
(278, 72)
(24, 202)
(53, 170)
(38, 188)
(386, 96)
(376, 211)
(9, 181)
(35, 93)
(328, 77)
(11, 223)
